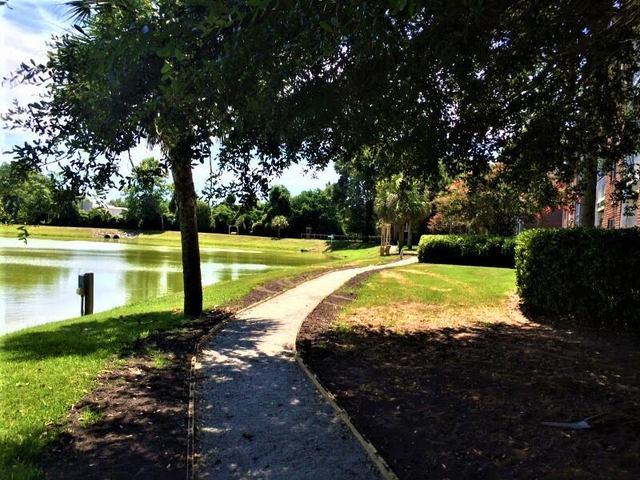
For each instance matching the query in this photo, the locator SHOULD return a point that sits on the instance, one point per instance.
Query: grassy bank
(335, 251)
(171, 238)
(46, 369)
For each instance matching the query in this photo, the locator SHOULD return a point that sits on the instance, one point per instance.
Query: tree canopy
(148, 196)
(422, 86)
(541, 88)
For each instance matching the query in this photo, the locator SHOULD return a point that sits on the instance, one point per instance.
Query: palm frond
(81, 10)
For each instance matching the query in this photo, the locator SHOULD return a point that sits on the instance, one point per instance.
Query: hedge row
(592, 275)
(482, 250)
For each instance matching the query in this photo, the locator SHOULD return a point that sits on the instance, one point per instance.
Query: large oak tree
(426, 86)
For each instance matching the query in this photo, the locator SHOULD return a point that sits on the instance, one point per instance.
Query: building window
(611, 224)
(628, 214)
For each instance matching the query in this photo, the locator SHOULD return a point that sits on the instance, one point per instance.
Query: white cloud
(25, 29)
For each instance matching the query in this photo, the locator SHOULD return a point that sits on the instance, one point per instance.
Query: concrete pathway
(258, 415)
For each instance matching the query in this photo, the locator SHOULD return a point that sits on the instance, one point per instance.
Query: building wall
(613, 214)
(571, 216)
(609, 213)
(611, 209)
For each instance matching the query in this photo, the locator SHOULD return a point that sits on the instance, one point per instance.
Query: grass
(428, 296)
(172, 238)
(46, 369)
(88, 417)
(331, 251)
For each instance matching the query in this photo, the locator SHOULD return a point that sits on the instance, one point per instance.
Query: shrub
(589, 274)
(490, 251)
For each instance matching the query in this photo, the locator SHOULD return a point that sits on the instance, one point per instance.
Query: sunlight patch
(415, 316)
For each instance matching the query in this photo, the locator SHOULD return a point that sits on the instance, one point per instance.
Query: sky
(26, 27)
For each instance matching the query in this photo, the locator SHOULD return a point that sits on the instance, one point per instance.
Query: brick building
(609, 212)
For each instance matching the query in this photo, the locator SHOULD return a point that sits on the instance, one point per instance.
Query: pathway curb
(372, 452)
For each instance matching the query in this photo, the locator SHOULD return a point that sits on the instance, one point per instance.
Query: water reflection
(38, 281)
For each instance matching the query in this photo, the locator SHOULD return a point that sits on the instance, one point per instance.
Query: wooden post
(88, 293)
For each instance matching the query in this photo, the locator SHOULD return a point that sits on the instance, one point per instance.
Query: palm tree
(280, 222)
(402, 202)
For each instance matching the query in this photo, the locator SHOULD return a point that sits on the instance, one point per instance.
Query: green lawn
(426, 295)
(444, 284)
(172, 238)
(46, 369)
(338, 250)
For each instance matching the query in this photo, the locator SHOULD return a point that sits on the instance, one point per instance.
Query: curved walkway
(258, 414)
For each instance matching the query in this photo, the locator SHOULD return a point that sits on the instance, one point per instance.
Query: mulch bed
(142, 430)
(469, 402)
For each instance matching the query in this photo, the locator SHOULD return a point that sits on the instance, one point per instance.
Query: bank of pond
(38, 280)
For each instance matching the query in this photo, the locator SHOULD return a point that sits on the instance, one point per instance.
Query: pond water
(38, 281)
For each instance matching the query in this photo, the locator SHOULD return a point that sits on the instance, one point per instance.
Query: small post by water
(85, 290)
(88, 293)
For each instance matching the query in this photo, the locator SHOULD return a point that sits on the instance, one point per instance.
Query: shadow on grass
(468, 402)
(140, 429)
(337, 245)
(49, 367)
(85, 337)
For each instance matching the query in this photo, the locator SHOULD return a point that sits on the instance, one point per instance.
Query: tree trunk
(409, 237)
(588, 200)
(186, 199)
(400, 235)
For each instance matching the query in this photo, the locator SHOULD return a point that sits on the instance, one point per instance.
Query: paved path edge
(369, 448)
(372, 452)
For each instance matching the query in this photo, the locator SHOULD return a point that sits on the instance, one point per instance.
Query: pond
(38, 281)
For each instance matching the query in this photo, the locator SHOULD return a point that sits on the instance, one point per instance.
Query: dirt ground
(468, 401)
(140, 407)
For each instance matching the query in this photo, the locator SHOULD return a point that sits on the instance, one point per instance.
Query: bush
(589, 274)
(490, 251)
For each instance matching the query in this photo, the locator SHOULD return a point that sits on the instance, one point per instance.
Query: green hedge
(592, 275)
(483, 250)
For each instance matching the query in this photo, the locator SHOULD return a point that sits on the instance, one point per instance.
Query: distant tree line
(342, 208)
(356, 204)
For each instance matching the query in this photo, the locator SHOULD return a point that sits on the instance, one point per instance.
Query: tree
(27, 198)
(222, 216)
(280, 222)
(542, 88)
(490, 206)
(147, 197)
(262, 213)
(203, 214)
(315, 209)
(279, 202)
(354, 196)
(132, 71)
(402, 202)
(452, 213)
